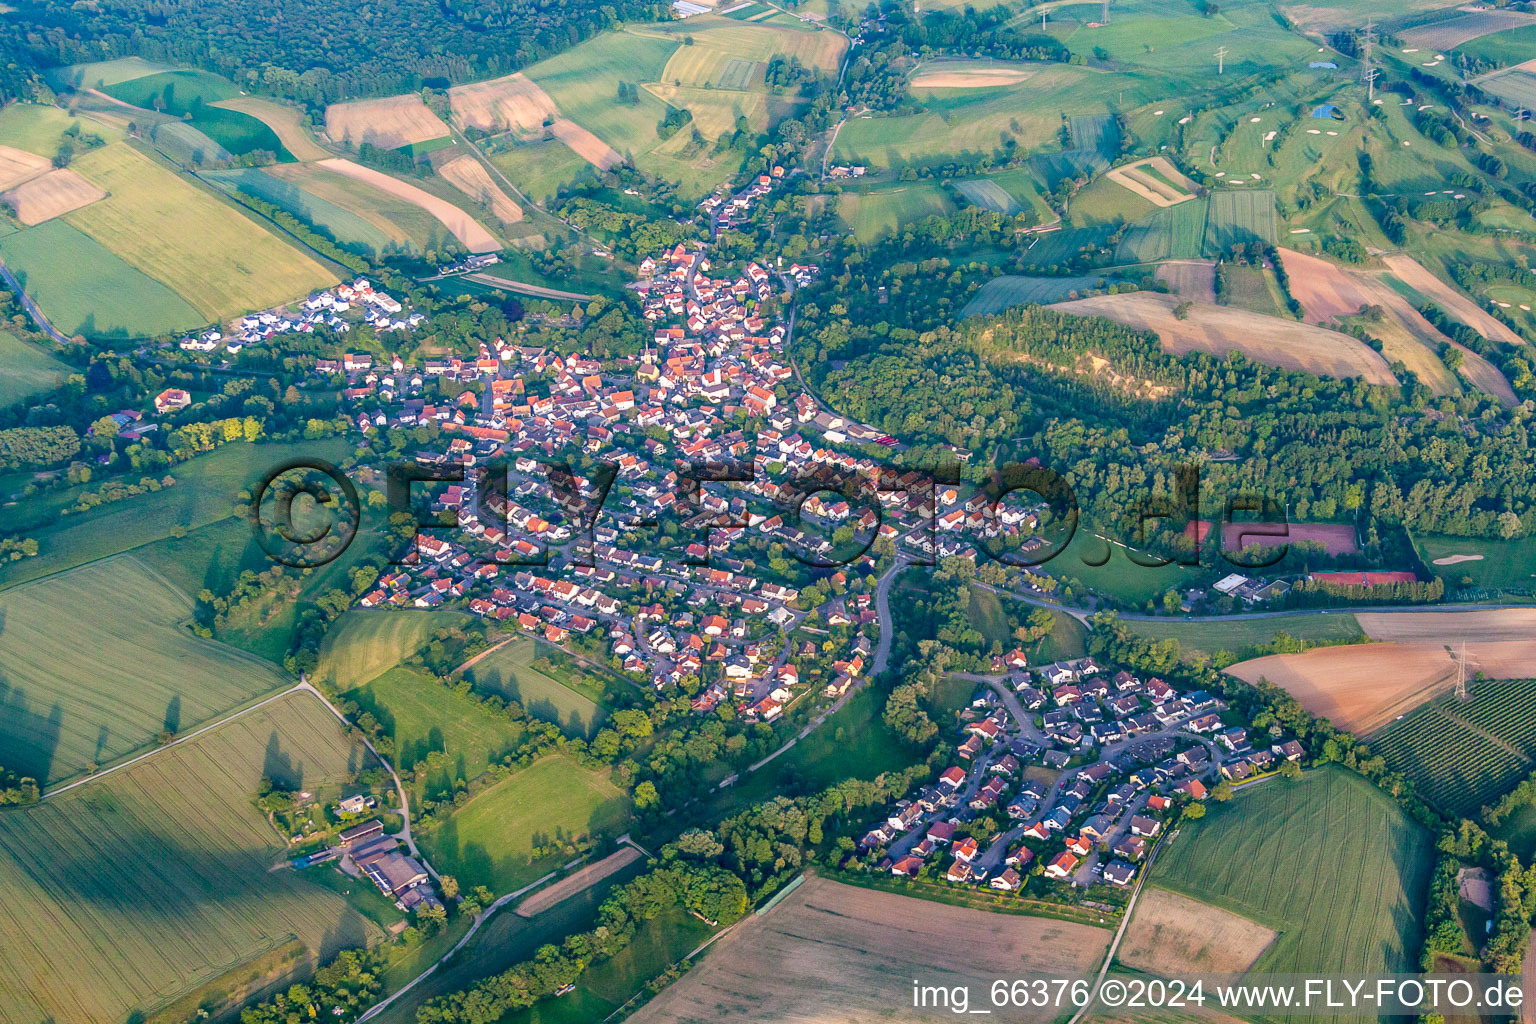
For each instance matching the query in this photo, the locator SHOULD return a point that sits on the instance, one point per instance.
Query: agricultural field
(1175, 935)
(541, 167)
(1175, 232)
(818, 49)
(1020, 191)
(285, 122)
(407, 226)
(389, 122)
(1238, 635)
(1155, 180)
(26, 370)
(84, 288)
(1503, 37)
(196, 95)
(1513, 85)
(1462, 755)
(157, 880)
(344, 226)
(1360, 688)
(424, 718)
(492, 839)
(1002, 293)
(1217, 330)
(858, 949)
(875, 214)
(1353, 866)
(366, 642)
(1254, 289)
(1189, 279)
(1413, 274)
(1102, 201)
(216, 259)
(470, 177)
(1239, 217)
(988, 195)
(51, 195)
(959, 73)
(508, 673)
(101, 74)
(470, 232)
(70, 705)
(18, 166)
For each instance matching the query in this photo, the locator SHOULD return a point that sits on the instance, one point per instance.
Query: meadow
(1511, 46)
(1239, 217)
(26, 369)
(509, 674)
(1241, 635)
(72, 701)
(491, 839)
(192, 95)
(997, 616)
(1326, 860)
(875, 214)
(342, 225)
(1174, 232)
(540, 168)
(205, 492)
(367, 642)
(424, 718)
(1463, 755)
(214, 257)
(126, 893)
(104, 73)
(407, 226)
(83, 288)
(39, 129)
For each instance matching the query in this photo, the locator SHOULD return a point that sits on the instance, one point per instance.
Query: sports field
(130, 891)
(26, 369)
(1494, 564)
(859, 950)
(76, 700)
(424, 717)
(509, 673)
(84, 288)
(367, 642)
(491, 839)
(215, 258)
(1327, 861)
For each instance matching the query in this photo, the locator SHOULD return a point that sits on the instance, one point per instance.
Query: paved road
(1114, 945)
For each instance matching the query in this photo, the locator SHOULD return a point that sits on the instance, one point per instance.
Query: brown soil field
(1190, 279)
(837, 952)
(469, 176)
(1451, 627)
(17, 165)
(586, 145)
(284, 121)
(571, 884)
(1362, 687)
(464, 227)
(968, 78)
(1217, 330)
(1173, 934)
(1471, 24)
(389, 122)
(51, 195)
(514, 103)
(1326, 290)
(1412, 273)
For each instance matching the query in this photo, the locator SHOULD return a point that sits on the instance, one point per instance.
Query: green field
(1174, 232)
(872, 215)
(72, 702)
(84, 288)
(509, 673)
(1103, 201)
(342, 225)
(39, 129)
(214, 257)
(425, 717)
(988, 195)
(996, 617)
(490, 840)
(542, 167)
(1002, 293)
(1255, 289)
(1327, 861)
(26, 369)
(102, 73)
(1238, 635)
(190, 94)
(1462, 755)
(1239, 217)
(205, 492)
(130, 891)
(1514, 87)
(1511, 46)
(367, 642)
(1505, 564)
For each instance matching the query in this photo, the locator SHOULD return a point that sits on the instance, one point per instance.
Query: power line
(1221, 57)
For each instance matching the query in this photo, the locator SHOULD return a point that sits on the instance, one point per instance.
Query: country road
(31, 307)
